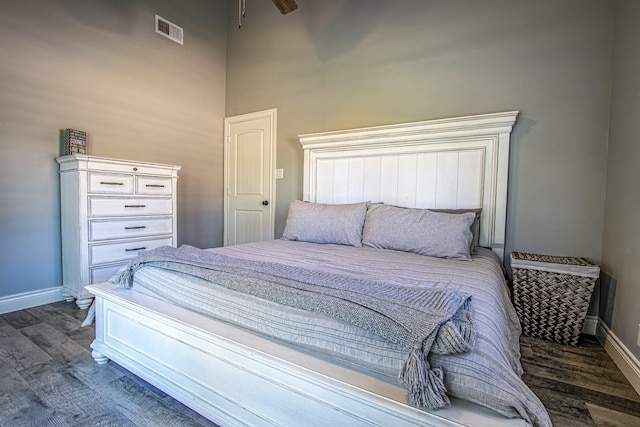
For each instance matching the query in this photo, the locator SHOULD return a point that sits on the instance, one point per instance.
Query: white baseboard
(590, 325)
(623, 358)
(24, 300)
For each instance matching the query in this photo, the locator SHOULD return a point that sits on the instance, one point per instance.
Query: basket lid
(555, 264)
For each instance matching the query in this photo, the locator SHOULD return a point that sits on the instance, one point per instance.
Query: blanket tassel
(124, 277)
(426, 385)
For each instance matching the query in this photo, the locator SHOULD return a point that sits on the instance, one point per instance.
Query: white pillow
(340, 224)
(420, 231)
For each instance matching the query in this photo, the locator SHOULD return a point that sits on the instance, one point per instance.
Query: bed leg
(84, 303)
(99, 357)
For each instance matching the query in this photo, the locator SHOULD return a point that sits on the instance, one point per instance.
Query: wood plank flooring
(48, 378)
(579, 386)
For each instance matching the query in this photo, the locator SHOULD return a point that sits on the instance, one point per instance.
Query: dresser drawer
(129, 206)
(102, 274)
(153, 185)
(129, 228)
(118, 166)
(122, 251)
(110, 183)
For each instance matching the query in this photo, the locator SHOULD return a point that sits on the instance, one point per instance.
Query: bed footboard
(236, 378)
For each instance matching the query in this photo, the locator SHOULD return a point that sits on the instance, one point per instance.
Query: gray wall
(98, 66)
(621, 242)
(340, 64)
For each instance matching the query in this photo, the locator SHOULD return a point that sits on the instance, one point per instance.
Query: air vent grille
(168, 29)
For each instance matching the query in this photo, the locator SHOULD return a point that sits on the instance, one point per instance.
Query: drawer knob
(155, 185)
(135, 206)
(135, 249)
(111, 183)
(137, 227)
(135, 169)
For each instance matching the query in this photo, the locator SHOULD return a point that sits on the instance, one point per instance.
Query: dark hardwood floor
(579, 386)
(48, 378)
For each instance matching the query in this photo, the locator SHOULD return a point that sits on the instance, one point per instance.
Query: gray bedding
(489, 374)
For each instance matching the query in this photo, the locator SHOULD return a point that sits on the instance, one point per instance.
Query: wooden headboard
(460, 162)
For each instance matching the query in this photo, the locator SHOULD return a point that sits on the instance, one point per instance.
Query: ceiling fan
(284, 6)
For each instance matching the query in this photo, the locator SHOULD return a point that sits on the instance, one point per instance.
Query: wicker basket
(551, 294)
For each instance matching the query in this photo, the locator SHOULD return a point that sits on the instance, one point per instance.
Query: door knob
(265, 202)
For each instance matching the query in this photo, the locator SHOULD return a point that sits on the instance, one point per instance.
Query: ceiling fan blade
(285, 6)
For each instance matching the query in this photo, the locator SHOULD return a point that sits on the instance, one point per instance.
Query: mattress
(488, 375)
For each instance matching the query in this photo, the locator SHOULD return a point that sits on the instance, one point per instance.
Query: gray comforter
(489, 374)
(414, 318)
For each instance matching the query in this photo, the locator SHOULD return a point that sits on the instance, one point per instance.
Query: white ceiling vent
(168, 29)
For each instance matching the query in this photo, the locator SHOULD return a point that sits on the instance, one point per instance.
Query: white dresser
(111, 209)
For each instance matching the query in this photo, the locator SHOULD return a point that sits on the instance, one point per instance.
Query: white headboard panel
(460, 162)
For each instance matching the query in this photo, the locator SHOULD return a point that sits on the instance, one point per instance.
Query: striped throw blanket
(422, 320)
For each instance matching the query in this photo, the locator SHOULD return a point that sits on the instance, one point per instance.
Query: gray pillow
(420, 231)
(475, 227)
(322, 223)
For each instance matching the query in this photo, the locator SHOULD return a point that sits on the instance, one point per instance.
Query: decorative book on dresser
(111, 209)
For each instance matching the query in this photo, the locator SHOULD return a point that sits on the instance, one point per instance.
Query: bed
(218, 358)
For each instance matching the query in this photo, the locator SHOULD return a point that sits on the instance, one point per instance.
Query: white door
(249, 169)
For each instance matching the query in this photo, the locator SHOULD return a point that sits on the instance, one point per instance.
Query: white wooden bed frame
(236, 378)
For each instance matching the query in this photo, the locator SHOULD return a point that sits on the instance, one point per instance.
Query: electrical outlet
(279, 173)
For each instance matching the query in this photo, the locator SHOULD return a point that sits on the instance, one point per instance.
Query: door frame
(272, 115)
